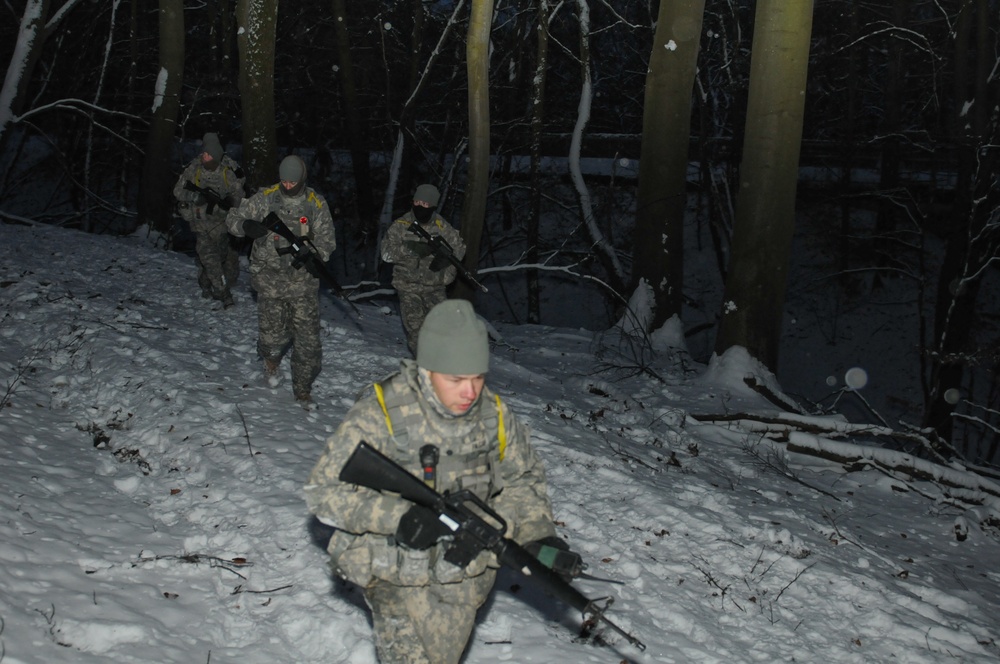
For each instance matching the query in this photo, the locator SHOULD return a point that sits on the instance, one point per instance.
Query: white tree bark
(582, 118)
(27, 36)
(30, 37)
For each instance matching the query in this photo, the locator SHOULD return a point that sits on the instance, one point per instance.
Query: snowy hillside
(153, 511)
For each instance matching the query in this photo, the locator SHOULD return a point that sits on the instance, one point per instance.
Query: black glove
(253, 228)
(421, 249)
(439, 263)
(554, 553)
(420, 529)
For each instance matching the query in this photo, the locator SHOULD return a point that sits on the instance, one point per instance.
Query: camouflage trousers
(426, 624)
(292, 321)
(218, 261)
(413, 309)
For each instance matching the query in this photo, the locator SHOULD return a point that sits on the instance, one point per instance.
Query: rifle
(213, 198)
(304, 253)
(471, 532)
(444, 251)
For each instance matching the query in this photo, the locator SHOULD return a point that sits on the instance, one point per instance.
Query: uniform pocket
(414, 566)
(350, 557)
(383, 557)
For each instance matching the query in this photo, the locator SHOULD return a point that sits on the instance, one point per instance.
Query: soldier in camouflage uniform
(287, 296)
(419, 279)
(423, 607)
(218, 260)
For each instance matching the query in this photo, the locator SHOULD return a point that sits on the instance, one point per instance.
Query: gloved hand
(200, 200)
(420, 529)
(439, 263)
(254, 229)
(421, 249)
(554, 553)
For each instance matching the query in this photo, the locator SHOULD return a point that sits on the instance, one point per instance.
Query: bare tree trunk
(765, 210)
(34, 30)
(474, 204)
(537, 126)
(356, 127)
(888, 212)
(128, 164)
(256, 23)
(971, 244)
(605, 251)
(666, 136)
(155, 197)
(88, 159)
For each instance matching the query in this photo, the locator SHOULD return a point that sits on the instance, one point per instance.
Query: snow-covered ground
(153, 512)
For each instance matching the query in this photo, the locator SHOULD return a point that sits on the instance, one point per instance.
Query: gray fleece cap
(211, 144)
(427, 193)
(453, 340)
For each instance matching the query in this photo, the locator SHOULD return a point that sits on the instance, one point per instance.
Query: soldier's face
(457, 393)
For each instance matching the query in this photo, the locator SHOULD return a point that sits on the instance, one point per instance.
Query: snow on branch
(70, 102)
(809, 435)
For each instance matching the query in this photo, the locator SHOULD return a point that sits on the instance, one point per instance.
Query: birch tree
(605, 251)
(35, 28)
(666, 131)
(765, 206)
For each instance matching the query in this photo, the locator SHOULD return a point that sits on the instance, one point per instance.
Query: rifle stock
(441, 248)
(370, 468)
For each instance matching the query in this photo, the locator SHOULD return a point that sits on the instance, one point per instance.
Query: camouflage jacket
(226, 181)
(486, 450)
(412, 272)
(308, 215)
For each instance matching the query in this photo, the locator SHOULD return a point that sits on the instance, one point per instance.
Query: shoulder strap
(401, 433)
(501, 431)
(380, 393)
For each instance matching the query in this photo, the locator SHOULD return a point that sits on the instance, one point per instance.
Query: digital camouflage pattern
(218, 260)
(287, 297)
(419, 287)
(428, 624)
(418, 592)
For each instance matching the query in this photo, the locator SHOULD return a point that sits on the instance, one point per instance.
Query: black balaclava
(422, 214)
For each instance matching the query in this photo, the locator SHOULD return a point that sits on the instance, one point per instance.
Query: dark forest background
(897, 153)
